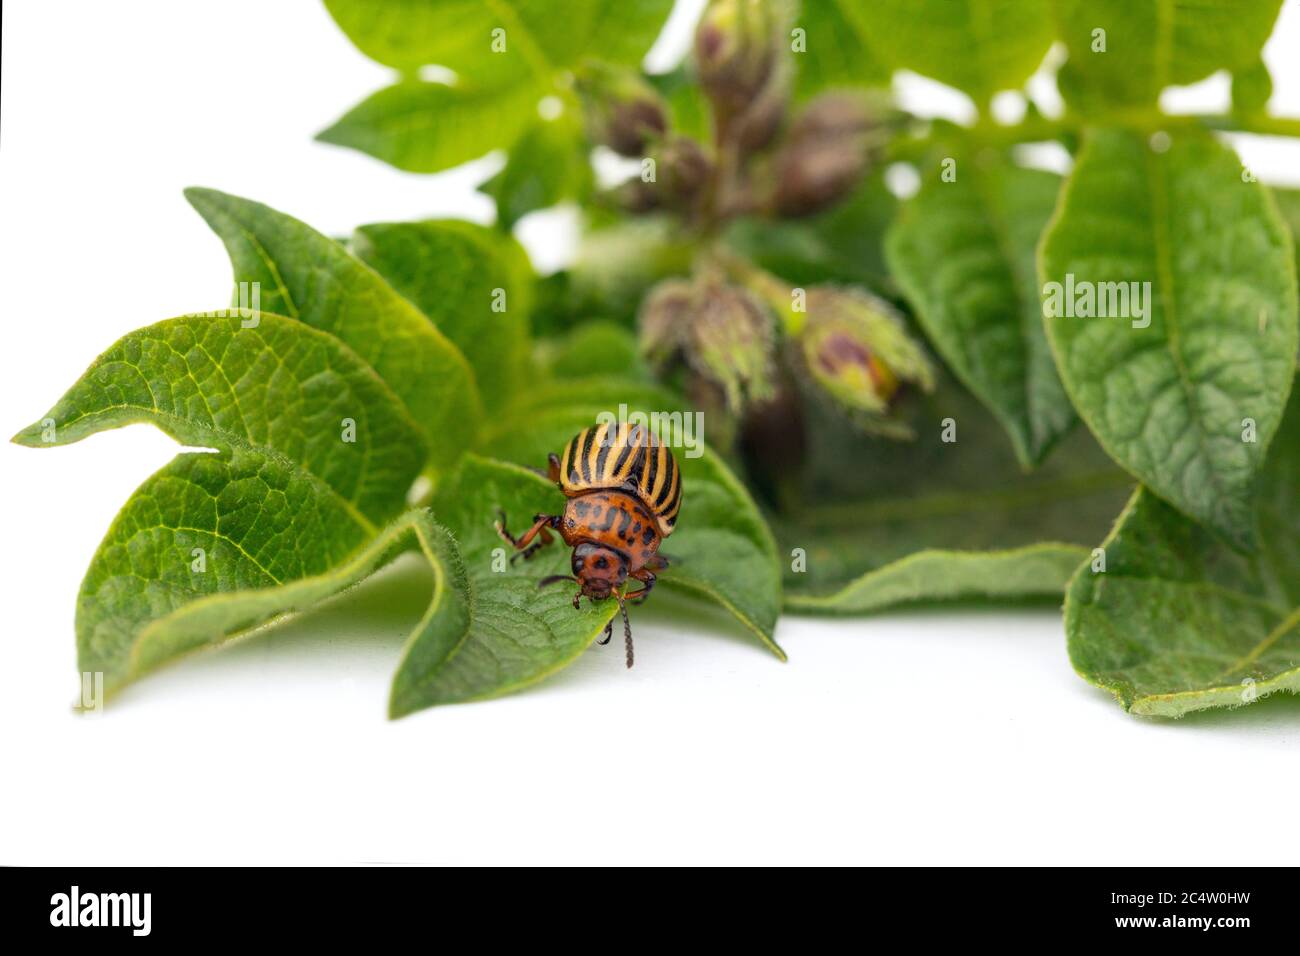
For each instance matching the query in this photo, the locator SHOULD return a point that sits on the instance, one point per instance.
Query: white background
(919, 737)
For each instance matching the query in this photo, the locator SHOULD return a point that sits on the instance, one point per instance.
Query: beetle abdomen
(625, 457)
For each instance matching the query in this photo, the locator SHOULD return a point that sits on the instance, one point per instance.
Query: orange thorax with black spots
(612, 519)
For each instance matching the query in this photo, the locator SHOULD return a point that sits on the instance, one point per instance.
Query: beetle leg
(524, 545)
(609, 633)
(543, 539)
(553, 467)
(657, 562)
(647, 579)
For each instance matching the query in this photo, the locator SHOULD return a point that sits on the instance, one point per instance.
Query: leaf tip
(332, 134)
(30, 437)
(203, 198)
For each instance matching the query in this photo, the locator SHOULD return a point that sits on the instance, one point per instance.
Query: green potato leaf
(536, 38)
(1122, 54)
(426, 127)
(309, 277)
(879, 523)
(548, 165)
(280, 387)
(474, 283)
(314, 454)
(1252, 87)
(199, 532)
(1186, 386)
(837, 48)
(935, 575)
(964, 253)
(722, 549)
(1177, 622)
(506, 54)
(596, 344)
(1288, 204)
(978, 46)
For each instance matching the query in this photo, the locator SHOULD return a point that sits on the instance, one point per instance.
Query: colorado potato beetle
(624, 492)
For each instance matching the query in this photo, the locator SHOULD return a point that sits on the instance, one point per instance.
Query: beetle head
(599, 569)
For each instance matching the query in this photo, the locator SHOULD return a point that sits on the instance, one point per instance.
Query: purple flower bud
(825, 154)
(737, 46)
(757, 125)
(855, 349)
(683, 170)
(623, 112)
(664, 320)
(730, 342)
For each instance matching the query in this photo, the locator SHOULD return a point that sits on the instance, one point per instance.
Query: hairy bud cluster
(761, 160)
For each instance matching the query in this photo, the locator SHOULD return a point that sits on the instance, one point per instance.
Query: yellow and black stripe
(626, 457)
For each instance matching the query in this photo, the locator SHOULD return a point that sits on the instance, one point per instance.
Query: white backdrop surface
(911, 737)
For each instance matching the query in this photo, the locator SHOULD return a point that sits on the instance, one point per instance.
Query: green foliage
(473, 283)
(309, 277)
(1288, 205)
(547, 166)
(948, 515)
(840, 47)
(1189, 401)
(964, 252)
(978, 46)
(506, 55)
(280, 389)
(426, 127)
(933, 575)
(539, 39)
(1143, 47)
(1176, 622)
(285, 498)
(1252, 85)
(596, 345)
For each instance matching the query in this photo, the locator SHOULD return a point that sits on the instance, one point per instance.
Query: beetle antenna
(627, 629)
(555, 579)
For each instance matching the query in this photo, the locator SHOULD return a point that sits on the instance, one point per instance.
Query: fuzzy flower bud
(855, 349)
(731, 343)
(664, 321)
(757, 125)
(622, 111)
(825, 154)
(737, 46)
(683, 170)
(718, 331)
